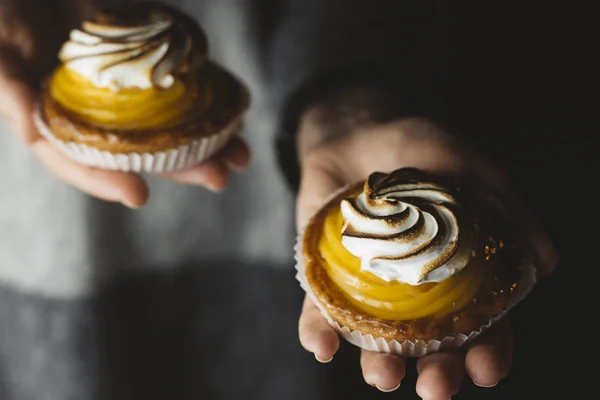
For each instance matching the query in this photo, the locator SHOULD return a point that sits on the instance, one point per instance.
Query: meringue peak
(406, 226)
(140, 46)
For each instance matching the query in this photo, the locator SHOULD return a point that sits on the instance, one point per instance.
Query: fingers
(316, 335)
(440, 375)
(128, 189)
(489, 358)
(214, 174)
(546, 255)
(384, 371)
(236, 154)
(319, 181)
(17, 100)
(16, 107)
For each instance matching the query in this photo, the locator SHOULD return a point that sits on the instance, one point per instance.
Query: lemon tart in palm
(410, 262)
(135, 90)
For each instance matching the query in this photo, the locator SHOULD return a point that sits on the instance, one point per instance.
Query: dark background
(525, 88)
(522, 85)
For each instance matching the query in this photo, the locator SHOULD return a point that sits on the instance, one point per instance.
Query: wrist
(352, 111)
(336, 103)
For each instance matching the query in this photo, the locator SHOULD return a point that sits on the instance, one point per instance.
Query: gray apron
(194, 295)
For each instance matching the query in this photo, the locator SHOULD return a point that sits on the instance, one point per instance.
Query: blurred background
(206, 305)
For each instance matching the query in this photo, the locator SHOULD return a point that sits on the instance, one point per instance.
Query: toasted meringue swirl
(141, 47)
(406, 227)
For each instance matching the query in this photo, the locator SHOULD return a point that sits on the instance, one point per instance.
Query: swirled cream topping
(137, 47)
(407, 228)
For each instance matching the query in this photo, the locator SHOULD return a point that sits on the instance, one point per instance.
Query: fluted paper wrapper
(185, 156)
(409, 348)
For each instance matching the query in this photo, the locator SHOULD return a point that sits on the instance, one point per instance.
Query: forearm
(349, 110)
(341, 45)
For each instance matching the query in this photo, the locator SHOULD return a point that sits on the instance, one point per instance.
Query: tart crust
(230, 99)
(493, 297)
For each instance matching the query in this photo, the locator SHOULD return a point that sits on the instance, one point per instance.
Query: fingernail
(131, 205)
(323, 361)
(388, 390)
(233, 166)
(485, 386)
(214, 188)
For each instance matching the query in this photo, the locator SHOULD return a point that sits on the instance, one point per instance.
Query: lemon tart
(136, 90)
(413, 258)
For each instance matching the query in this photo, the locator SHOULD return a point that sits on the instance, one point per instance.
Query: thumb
(494, 180)
(318, 182)
(17, 103)
(17, 97)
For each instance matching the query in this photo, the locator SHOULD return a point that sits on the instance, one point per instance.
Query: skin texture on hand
(31, 32)
(331, 160)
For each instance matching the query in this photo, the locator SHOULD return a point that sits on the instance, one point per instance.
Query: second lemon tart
(135, 83)
(410, 257)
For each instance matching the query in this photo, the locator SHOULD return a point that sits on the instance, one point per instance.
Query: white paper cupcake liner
(409, 348)
(176, 159)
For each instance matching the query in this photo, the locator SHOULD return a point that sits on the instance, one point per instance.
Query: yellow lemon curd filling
(128, 108)
(393, 300)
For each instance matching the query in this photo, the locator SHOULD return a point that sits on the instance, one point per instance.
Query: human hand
(328, 163)
(31, 32)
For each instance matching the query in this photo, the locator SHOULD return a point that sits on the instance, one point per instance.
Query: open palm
(408, 143)
(31, 32)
